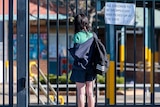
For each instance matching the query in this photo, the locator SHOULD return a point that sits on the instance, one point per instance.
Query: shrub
(120, 80)
(62, 79)
(100, 79)
(53, 79)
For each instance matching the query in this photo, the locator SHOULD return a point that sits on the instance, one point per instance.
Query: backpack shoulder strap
(95, 35)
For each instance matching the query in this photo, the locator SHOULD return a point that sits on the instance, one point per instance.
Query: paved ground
(100, 98)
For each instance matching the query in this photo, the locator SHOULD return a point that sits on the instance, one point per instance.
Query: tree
(81, 5)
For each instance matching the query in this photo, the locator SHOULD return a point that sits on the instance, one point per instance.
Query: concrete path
(100, 99)
(129, 97)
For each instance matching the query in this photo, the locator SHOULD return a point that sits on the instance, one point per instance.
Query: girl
(82, 69)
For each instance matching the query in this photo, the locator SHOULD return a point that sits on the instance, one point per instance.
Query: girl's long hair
(81, 22)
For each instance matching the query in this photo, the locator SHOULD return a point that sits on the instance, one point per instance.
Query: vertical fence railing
(77, 6)
(38, 48)
(27, 54)
(134, 61)
(67, 54)
(153, 54)
(57, 49)
(23, 73)
(148, 31)
(22, 53)
(143, 85)
(6, 48)
(96, 25)
(5, 85)
(10, 50)
(144, 34)
(3, 33)
(48, 66)
(113, 100)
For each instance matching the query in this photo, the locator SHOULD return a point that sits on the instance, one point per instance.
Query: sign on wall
(119, 13)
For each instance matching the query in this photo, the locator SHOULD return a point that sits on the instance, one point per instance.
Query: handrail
(40, 85)
(52, 97)
(102, 85)
(138, 66)
(147, 86)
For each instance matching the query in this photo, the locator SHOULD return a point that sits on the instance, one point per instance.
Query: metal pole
(111, 73)
(22, 53)
(152, 74)
(10, 52)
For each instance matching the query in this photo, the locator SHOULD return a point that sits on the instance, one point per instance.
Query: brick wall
(140, 76)
(42, 66)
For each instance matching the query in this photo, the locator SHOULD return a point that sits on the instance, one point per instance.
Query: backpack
(100, 60)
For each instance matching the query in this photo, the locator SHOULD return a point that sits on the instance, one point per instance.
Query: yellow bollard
(7, 64)
(52, 97)
(32, 63)
(61, 100)
(31, 74)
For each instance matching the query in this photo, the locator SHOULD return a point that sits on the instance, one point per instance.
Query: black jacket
(90, 56)
(82, 54)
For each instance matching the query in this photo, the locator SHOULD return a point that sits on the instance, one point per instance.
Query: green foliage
(54, 79)
(63, 79)
(100, 79)
(120, 80)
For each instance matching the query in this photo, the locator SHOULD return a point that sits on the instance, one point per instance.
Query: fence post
(10, 51)
(22, 53)
(110, 97)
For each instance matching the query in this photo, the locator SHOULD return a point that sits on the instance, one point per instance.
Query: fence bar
(3, 39)
(10, 50)
(86, 7)
(107, 74)
(96, 88)
(110, 74)
(123, 34)
(77, 7)
(116, 60)
(48, 33)
(96, 25)
(153, 54)
(29, 82)
(144, 50)
(135, 52)
(67, 54)
(125, 61)
(38, 47)
(57, 44)
(22, 53)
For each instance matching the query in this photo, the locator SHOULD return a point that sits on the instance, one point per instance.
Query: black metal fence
(35, 65)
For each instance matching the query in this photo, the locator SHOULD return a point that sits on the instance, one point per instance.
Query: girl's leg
(90, 93)
(81, 94)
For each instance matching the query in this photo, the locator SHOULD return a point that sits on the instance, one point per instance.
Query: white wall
(1, 71)
(62, 44)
